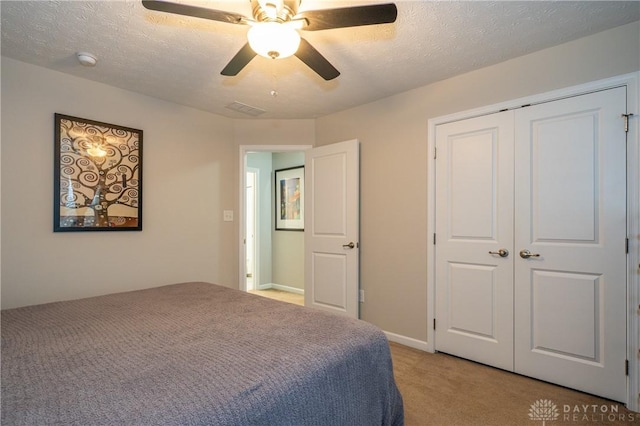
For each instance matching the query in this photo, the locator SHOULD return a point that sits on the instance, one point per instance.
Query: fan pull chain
(274, 82)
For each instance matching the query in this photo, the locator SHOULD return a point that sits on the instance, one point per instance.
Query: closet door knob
(525, 254)
(501, 252)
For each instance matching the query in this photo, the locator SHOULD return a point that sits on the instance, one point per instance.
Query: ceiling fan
(274, 28)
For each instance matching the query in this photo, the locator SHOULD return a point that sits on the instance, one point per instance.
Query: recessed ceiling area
(179, 58)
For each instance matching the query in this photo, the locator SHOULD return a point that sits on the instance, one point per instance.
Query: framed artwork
(98, 176)
(289, 189)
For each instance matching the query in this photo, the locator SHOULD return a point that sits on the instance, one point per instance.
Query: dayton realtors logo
(601, 414)
(543, 409)
(546, 410)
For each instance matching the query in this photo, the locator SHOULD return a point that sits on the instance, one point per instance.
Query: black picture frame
(289, 199)
(97, 176)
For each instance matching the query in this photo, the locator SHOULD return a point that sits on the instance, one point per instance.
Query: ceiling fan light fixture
(273, 40)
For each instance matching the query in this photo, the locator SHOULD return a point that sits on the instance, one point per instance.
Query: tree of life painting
(98, 182)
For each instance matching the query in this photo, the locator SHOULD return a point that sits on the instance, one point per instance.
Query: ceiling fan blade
(195, 11)
(242, 58)
(326, 19)
(314, 60)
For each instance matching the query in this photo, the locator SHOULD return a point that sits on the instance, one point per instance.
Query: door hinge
(626, 122)
(626, 367)
(435, 153)
(434, 323)
(434, 238)
(627, 246)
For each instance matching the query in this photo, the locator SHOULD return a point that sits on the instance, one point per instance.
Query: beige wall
(274, 132)
(191, 175)
(393, 137)
(188, 180)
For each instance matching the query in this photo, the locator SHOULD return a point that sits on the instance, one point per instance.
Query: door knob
(501, 252)
(525, 254)
(350, 245)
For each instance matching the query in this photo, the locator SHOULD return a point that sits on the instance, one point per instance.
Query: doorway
(260, 265)
(327, 259)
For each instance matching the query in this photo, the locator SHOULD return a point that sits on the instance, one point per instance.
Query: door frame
(630, 81)
(256, 227)
(244, 150)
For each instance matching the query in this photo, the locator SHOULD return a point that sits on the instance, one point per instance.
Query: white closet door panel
(472, 177)
(471, 286)
(570, 301)
(474, 211)
(564, 166)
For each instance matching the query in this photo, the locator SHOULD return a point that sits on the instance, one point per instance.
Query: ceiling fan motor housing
(274, 10)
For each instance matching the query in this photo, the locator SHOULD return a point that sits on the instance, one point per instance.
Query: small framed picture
(98, 176)
(289, 190)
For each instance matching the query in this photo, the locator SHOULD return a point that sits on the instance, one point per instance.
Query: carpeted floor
(440, 389)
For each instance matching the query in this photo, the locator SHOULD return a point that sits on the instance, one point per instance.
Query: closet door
(570, 215)
(474, 223)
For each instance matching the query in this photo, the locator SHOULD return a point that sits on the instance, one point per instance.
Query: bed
(193, 354)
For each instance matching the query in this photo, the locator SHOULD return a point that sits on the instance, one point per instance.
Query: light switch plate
(227, 215)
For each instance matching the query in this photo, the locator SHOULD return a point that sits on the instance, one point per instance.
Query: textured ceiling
(179, 59)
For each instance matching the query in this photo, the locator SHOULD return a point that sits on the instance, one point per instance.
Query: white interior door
(570, 301)
(332, 227)
(554, 308)
(474, 211)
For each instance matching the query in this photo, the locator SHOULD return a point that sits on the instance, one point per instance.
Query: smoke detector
(87, 59)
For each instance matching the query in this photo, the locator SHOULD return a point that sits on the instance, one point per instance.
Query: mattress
(193, 354)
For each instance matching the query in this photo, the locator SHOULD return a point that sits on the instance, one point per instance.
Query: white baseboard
(407, 341)
(281, 288)
(287, 288)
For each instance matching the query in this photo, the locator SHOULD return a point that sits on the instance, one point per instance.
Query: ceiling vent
(245, 109)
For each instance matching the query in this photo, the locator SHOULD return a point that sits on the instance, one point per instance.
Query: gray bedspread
(193, 354)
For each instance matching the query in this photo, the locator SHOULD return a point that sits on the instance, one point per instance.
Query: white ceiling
(179, 58)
